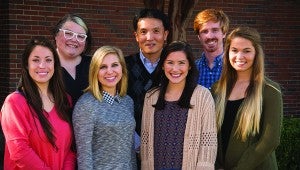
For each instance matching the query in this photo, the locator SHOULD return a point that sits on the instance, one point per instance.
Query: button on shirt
(147, 63)
(207, 76)
(109, 98)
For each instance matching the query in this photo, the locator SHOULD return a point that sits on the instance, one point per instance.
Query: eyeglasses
(70, 34)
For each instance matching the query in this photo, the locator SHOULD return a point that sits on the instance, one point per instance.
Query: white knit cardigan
(200, 138)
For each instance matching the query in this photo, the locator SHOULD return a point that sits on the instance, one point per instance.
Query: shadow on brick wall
(4, 64)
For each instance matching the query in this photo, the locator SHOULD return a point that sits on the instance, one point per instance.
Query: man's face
(150, 36)
(211, 37)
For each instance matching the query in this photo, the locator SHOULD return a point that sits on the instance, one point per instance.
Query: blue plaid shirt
(207, 76)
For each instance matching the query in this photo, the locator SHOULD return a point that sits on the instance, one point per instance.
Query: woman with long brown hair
(36, 119)
(248, 105)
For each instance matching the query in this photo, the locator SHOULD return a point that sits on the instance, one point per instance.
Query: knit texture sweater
(104, 133)
(139, 82)
(200, 137)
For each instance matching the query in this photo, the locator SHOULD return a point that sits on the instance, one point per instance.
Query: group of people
(157, 109)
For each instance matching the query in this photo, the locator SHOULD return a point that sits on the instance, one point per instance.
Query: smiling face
(176, 67)
(70, 47)
(211, 37)
(41, 65)
(151, 36)
(110, 73)
(241, 55)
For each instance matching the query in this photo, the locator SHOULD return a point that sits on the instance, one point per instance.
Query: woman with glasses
(73, 42)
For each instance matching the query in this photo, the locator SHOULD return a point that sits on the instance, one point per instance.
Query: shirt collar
(217, 60)
(110, 99)
(147, 63)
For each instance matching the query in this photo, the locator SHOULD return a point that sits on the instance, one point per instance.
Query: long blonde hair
(94, 85)
(249, 113)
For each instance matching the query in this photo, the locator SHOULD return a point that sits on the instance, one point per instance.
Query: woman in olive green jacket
(248, 106)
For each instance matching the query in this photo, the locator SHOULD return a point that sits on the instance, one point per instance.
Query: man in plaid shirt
(211, 26)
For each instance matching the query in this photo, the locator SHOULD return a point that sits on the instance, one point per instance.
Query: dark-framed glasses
(70, 34)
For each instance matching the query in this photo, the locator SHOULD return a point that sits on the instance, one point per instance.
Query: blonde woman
(248, 106)
(103, 117)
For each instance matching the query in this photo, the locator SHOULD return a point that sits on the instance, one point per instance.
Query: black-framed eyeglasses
(70, 34)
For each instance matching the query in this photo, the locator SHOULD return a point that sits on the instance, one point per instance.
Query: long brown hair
(250, 111)
(30, 90)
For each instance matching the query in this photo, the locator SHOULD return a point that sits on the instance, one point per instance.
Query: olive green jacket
(257, 152)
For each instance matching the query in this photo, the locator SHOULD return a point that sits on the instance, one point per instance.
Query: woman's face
(241, 55)
(110, 73)
(176, 67)
(69, 44)
(41, 65)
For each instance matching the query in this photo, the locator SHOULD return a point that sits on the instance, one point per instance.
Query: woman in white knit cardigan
(179, 123)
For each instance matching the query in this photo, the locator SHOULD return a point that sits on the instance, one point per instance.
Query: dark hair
(30, 90)
(80, 21)
(191, 79)
(151, 13)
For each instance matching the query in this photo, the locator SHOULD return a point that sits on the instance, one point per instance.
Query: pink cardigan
(200, 138)
(27, 148)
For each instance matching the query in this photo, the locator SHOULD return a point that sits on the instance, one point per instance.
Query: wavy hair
(251, 108)
(30, 90)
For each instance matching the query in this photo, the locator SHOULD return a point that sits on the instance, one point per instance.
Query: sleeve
(208, 139)
(83, 129)
(147, 159)
(70, 161)
(134, 157)
(17, 129)
(135, 141)
(270, 131)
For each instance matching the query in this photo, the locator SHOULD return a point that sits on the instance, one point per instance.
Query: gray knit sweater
(104, 133)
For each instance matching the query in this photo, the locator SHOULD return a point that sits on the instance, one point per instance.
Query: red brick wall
(111, 24)
(4, 53)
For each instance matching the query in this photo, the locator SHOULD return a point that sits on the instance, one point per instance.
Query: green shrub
(288, 152)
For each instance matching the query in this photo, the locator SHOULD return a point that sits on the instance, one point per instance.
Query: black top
(139, 82)
(169, 130)
(231, 110)
(75, 87)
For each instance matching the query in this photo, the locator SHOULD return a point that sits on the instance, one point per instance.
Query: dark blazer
(139, 82)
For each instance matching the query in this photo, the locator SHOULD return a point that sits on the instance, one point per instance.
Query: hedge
(288, 152)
